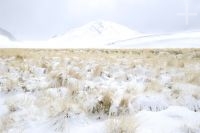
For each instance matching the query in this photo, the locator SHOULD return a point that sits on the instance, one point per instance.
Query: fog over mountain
(42, 19)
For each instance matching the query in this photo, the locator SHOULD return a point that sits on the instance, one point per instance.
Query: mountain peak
(98, 26)
(103, 30)
(102, 26)
(98, 32)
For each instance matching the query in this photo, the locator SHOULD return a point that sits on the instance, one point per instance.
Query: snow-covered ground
(101, 91)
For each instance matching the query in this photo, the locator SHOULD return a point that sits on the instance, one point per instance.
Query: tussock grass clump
(47, 66)
(74, 74)
(196, 55)
(175, 63)
(8, 85)
(196, 95)
(121, 124)
(53, 105)
(193, 77)
(73, 89)
(97, 71)
(103, 105)
(176, 52)
(19, 57)
(124, 102)
(7, 122)
(132, 89)
(58, 79)
(124, 105)
(176, 93)
(153, 86)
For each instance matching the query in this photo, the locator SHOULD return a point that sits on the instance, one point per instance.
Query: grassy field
(111, 85)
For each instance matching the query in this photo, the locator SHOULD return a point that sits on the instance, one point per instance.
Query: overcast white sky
(29, 19)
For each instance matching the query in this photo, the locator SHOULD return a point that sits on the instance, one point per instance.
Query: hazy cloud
(45, 18)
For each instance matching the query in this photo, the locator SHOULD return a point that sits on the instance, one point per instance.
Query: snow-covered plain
(101, 91)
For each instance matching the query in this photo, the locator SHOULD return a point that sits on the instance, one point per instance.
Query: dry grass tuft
(154, 86)
(6, 122)
(103, 105)
(124, 102)
(97, 71)
(193, 77)
(53, 105)
(176, 93)
(175, 63)
(196, 94)
(124, 105)
(58, 79)
(73, 88)
(74, 74)
(121, 124)
(19, 57)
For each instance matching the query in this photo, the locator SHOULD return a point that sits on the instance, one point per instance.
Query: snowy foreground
(99, 91)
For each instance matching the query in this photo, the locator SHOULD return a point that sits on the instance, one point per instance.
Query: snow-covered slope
(95, 34)
(3, 38)
(5, 41)
(176, 40)
(87, 39)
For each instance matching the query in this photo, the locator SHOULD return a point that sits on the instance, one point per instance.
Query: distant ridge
(7, 34)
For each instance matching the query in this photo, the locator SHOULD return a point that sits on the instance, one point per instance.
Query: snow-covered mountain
(96, 33)
(105, 34)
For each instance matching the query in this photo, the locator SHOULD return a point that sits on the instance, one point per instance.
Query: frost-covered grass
(106, 90)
